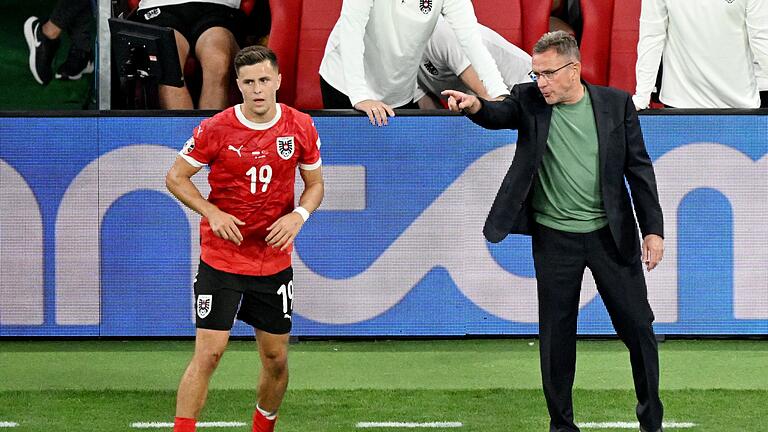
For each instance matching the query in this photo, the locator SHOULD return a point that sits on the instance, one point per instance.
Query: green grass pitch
(486, 385)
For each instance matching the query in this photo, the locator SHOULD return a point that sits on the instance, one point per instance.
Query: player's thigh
(211, 343)
(268, 302)
(217, 297)
(216, 47)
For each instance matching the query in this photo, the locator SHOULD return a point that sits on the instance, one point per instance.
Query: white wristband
(302, 212)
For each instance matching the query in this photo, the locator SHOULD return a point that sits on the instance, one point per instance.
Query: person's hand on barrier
(653, 251)
(377, 111)
(462, 102)
(224, 225)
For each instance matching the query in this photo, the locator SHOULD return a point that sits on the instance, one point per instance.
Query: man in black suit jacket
(577, 143)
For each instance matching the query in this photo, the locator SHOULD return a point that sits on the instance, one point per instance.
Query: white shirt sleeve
(757, 30)
(653, 35)
(353, 19)
(461, 18)
(444, 49)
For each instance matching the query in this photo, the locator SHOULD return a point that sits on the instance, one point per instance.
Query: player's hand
(284, 230)
(377, 111)
(653, 251)
(224, 225)
(462, 102)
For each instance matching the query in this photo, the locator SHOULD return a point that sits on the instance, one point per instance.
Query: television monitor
(145, 52)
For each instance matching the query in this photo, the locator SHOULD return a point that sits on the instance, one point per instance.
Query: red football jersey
(253, 170)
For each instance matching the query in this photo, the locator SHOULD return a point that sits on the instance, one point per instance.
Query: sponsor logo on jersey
(430, 67)
(425, 6)
(189, 145)
(236, 150)
(203, 305)
(285, 147)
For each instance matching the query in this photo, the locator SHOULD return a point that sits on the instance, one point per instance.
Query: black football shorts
(192, 19)
(264, 302)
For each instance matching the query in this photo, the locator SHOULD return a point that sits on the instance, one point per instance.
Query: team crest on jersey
(189, 145)
(425, 6)
(285, 147)
(203, 305)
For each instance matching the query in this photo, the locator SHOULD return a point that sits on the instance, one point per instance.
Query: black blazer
(622, 155)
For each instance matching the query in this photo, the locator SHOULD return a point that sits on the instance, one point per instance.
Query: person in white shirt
(207, 29)
(445, 67)
(707, 52)
(373, 53)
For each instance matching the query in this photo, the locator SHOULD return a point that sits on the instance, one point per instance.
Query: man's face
(258, 84)
(557, 78)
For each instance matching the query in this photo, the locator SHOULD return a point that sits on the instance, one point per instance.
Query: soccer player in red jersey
(247, 230)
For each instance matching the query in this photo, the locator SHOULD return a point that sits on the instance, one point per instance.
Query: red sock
(261, 423)
(181, 424)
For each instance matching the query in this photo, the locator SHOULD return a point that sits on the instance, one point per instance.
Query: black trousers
(560, 259)
(75, 17)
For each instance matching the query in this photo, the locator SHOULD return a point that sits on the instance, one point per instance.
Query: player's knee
(276, 361)
(209, 359)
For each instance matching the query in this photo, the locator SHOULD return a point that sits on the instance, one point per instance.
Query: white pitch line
(7, 424)
(634, 425)
(160, 425)
(409, 425)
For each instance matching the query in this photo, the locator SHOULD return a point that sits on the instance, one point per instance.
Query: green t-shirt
(566, 195)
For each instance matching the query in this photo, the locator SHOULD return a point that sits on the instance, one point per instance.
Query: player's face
(258, 84)
(559, 77)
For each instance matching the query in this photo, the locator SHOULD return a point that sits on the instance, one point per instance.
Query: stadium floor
(18, 90)
(485, 385)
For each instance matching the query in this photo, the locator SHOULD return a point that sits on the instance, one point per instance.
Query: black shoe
(41, 50)
(78, 62)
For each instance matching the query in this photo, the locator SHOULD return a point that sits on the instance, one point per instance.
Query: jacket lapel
(601, 110)
(543, 118)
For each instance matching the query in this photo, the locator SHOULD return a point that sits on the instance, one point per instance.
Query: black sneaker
(78, 62)
(41, 50)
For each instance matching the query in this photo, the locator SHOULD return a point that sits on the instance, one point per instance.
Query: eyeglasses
(547, 75)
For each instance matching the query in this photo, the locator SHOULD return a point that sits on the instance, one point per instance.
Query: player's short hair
(255, 54)
(560, 41)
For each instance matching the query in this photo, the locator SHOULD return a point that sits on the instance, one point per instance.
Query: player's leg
(177, 97)
(215, 49)
(267, 306)
(217, 296)
(559, 262)
(193, 389)
(623, 290)
(273, 378)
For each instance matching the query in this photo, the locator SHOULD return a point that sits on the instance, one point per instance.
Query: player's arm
(470, 79)
(284, 230)
(179, 183)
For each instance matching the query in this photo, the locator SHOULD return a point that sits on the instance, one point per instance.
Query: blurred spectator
(373, 53)
(566, 16)
(43, 38)
(445, 67)
(707, 60)
(207, 29)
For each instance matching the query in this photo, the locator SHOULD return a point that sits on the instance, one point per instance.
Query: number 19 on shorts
(287, 292)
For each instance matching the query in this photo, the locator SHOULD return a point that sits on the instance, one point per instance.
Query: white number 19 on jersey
(263, 175)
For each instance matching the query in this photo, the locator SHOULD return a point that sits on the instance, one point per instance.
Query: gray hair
(560, 41)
